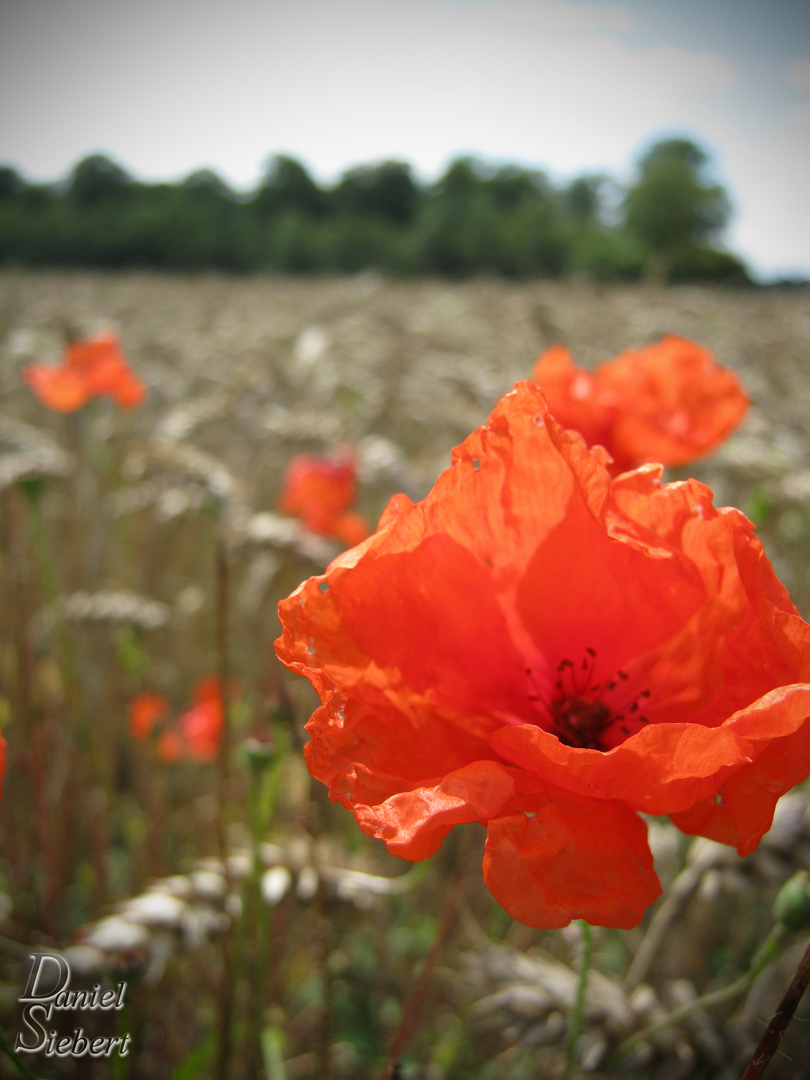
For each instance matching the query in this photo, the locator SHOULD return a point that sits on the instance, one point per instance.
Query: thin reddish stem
(769, 1043)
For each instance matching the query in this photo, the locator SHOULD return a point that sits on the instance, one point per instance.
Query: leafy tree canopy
(97, 179)
(671, 202)
(288, 186)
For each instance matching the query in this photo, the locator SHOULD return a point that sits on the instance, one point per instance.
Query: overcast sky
(168, 86)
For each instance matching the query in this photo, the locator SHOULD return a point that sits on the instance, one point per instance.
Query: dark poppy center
(579, 721)
(582, 709)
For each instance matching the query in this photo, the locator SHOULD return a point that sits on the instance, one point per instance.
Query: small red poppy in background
(196, 734)
(200, 728)
(320, 490)
(88, 369)
(551, 652)
(670, 402)
(146, 712)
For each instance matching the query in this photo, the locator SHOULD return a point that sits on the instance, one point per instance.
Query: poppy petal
(144, 713)
(575, 858)
(741, 811)
(669, 402)
(60, 388)
(452, 638)
(661, 769)
(678, 404)
(414, 823)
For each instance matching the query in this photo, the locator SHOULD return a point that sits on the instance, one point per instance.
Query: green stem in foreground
(578, 1009)
(14, 1057)
(447, 920)
(230, 942)
(762, 958)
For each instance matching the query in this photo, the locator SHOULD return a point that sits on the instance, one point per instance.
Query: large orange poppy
(320, 491)
(550, 651)
(88, 369)
(669, 402)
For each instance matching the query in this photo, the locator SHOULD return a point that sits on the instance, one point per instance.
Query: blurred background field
(141, 551)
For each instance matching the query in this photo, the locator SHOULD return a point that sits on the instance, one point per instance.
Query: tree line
(476, 219)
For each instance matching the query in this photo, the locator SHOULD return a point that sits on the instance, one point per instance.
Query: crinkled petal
(740, 812)
(414, 823)
(451, 638)
(373, 744)
(661, 769)
(576, 858)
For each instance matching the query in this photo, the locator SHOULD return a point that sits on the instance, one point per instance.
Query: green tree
(511, 187)
(671, 203)
(208, 184)
(288, 187)
(384, 191)
(583, 198)
(97, 179)
(11, 183)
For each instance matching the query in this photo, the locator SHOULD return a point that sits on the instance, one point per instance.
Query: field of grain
(142, 550)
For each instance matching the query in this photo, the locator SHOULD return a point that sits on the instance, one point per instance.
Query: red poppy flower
(551, 652)
(669, 402)
(200, 728)
(196, 734)
(320, 490)
(88, 369)
(169, 747)
(145, 712)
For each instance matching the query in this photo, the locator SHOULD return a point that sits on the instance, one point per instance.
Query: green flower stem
(762, 958)
(578, 1009)
(230, 943)
(264, 783)
(14, 1057)
(447, 920)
